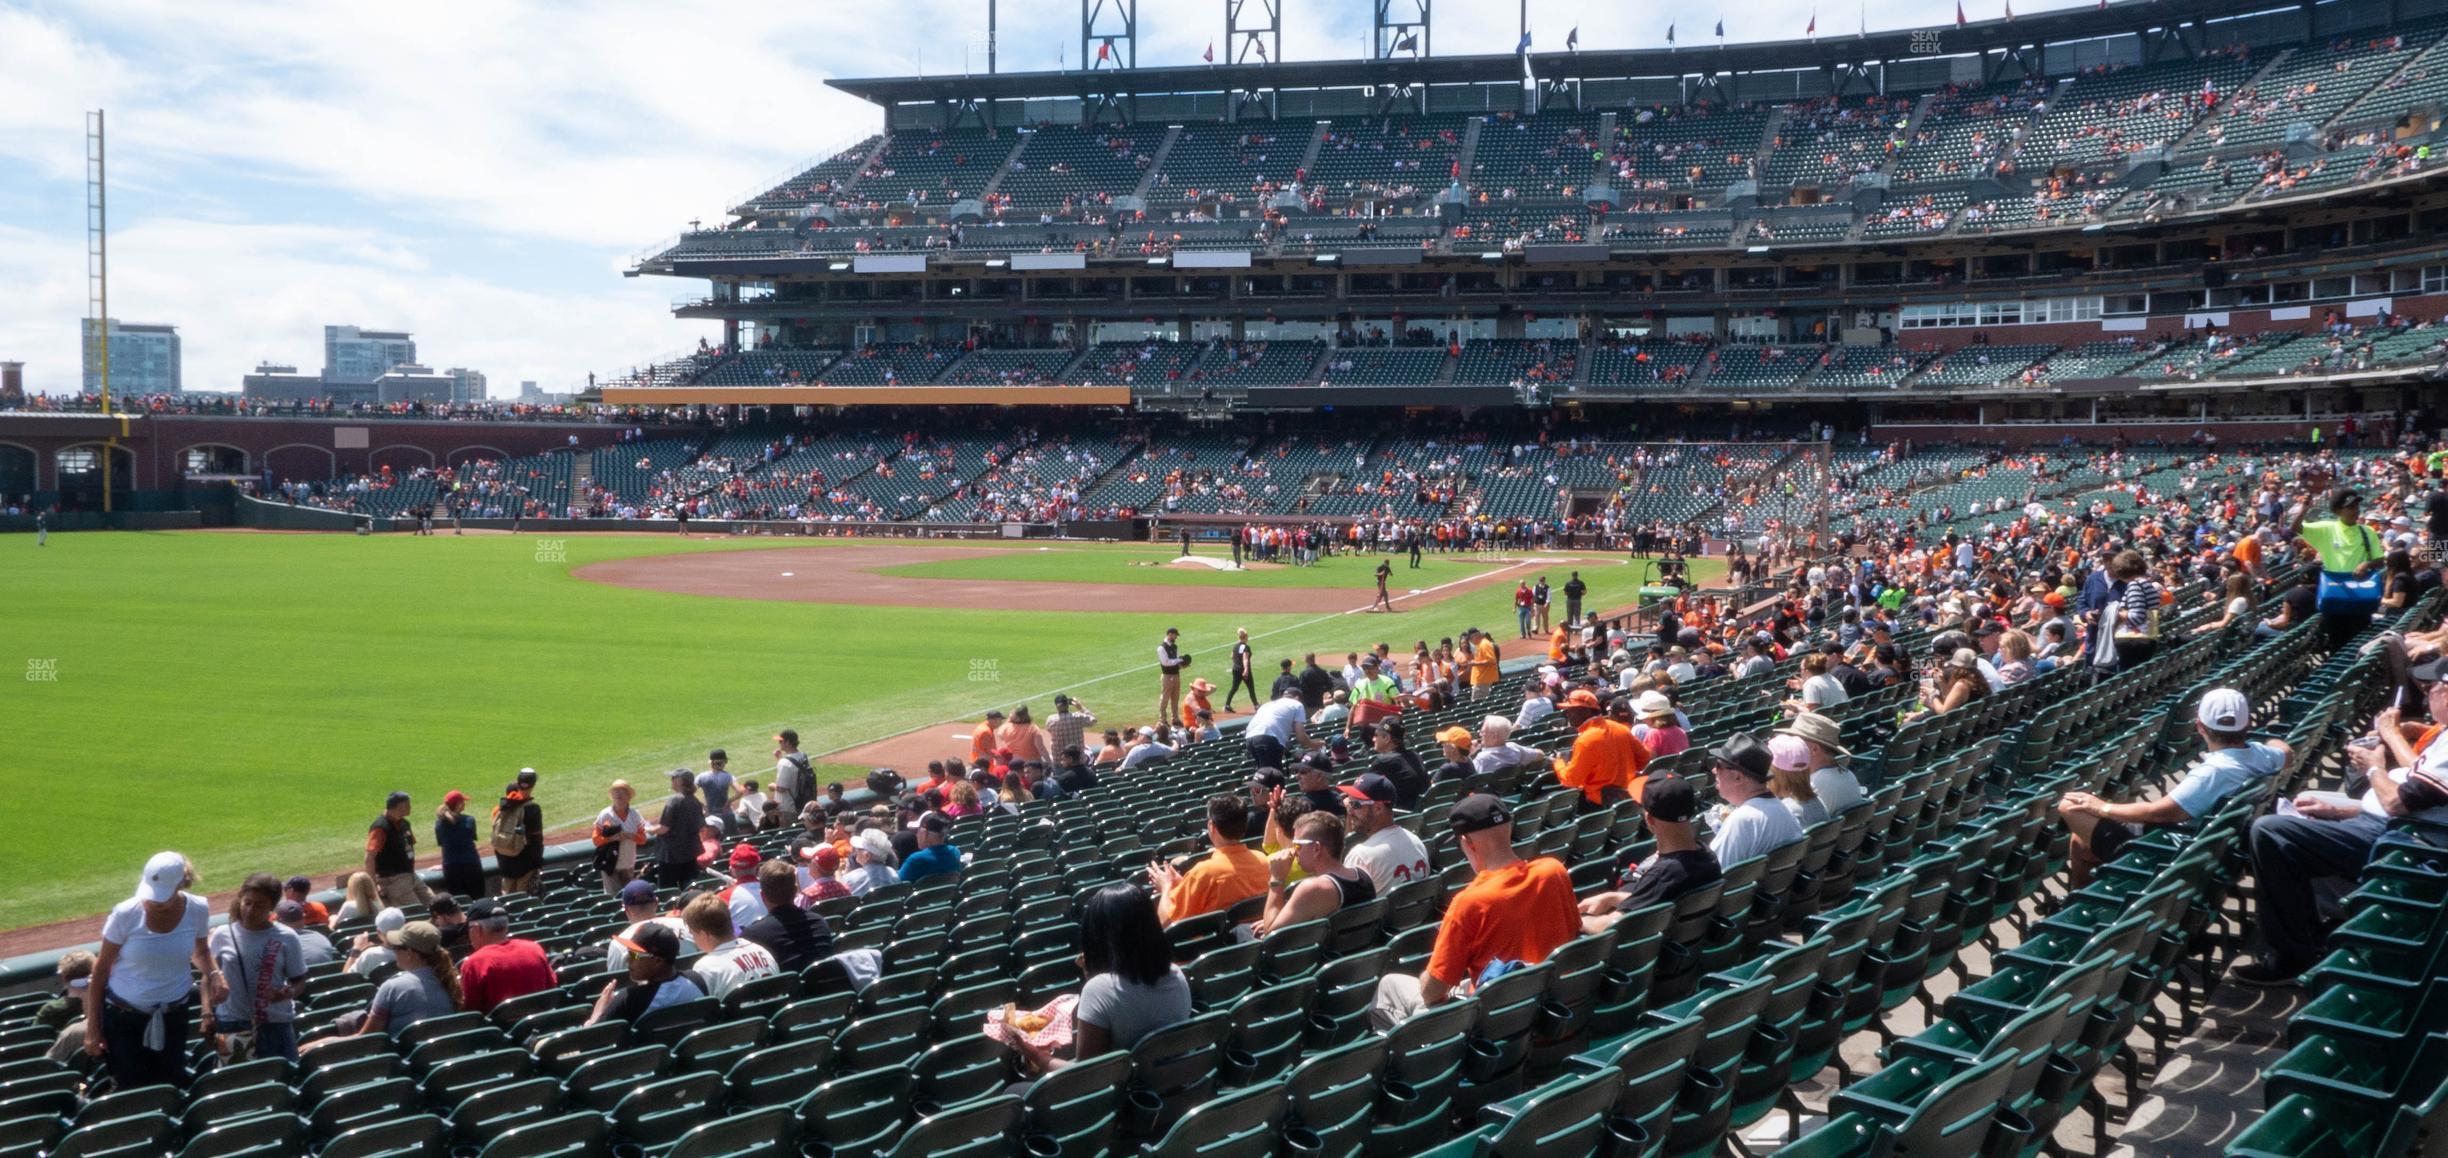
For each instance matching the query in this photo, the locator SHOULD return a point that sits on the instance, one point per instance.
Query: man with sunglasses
(654, 979)
(1384, 850)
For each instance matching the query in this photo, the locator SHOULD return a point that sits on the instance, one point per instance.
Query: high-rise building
(144, 359)
(360, 356)
(469, 385)
(12, 382)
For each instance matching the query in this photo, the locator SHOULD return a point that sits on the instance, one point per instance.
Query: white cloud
(590, 130)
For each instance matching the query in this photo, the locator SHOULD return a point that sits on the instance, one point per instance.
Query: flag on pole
(1572, 39)
(1524, 46)
(1720, 28)
(1863, 30)
(1210, 54)
(1813, 30)
(1409, 43)
(1670, 32)
(1959, 16)
(1260, 45)
(2010, 10)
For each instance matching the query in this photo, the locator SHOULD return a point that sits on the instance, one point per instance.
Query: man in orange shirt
(982, 741)
(1607, 758)
(1513, 913)
(1482, 664)
(1232, 873)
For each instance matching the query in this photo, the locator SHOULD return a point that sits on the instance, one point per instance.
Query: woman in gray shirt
(1133, 989)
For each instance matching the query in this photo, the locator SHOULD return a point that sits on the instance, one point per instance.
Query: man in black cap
(653, 981)
(1679, 865)
(1755, 823)
(1513, 913)
(936, 852)
(500, 966)
(1316, 772)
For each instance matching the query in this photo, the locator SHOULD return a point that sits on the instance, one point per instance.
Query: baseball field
(248, 699)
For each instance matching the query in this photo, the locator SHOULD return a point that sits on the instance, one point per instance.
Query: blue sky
(479, 173)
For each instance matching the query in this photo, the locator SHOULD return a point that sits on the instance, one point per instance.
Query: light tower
(1402, 27)
(97, 286)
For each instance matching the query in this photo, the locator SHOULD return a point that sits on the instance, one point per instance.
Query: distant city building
(530, 394)
(277, 383)
(410, 382)
(467, 386)
(12, 382)
(352, 355)
(144, 359)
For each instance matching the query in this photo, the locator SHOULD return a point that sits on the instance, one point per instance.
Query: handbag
(2344, 593)
(240, 1046)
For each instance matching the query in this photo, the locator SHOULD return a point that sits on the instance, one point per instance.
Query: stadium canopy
(2133, 17)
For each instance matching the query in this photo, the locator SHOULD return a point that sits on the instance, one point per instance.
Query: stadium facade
(2149, 212)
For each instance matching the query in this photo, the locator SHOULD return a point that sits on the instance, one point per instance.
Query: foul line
(1145, 667)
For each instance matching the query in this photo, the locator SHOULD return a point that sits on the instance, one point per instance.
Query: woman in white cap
(873, 851)
(153, 949)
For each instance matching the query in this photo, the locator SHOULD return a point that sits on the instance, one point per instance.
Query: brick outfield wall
(302, 448)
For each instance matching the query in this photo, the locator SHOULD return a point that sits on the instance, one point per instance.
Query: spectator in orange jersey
(982, 742)
(1607, 760)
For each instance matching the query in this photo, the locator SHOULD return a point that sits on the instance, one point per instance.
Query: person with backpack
(518, 830)
(794, 779)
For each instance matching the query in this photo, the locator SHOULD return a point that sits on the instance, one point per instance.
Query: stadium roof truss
(1251, 64)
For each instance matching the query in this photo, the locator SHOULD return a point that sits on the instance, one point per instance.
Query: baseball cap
(1458, 736)
(744, 854)
(1670, 799)
(487, 909)
(637, 893)
(1787, 753)
(935, 822)
(827, 858)
(1478, 812)
(718, 754)
(162, 878)
(454, 798)
(389, 920)
(653, 940)
(289, 913)
(1371, 786)
(1581, 698)
(2224, 710)
(443, 904)
(1266, 778)
(298, 885)
(420, 937)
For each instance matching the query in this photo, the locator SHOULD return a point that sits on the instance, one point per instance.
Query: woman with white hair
(1538, 700)
(872, 851)
(1497, 751)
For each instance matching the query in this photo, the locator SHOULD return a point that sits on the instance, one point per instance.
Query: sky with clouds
(480, 173)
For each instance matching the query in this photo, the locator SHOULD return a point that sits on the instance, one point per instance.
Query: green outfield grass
(249, 699)
(1154, 565)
